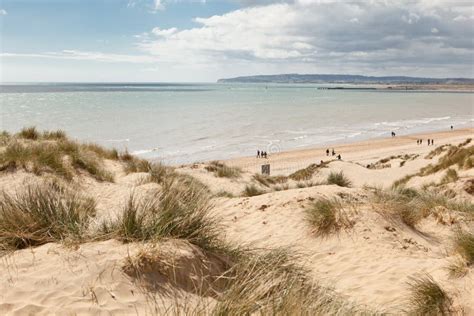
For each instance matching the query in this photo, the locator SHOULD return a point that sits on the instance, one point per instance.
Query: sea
(179, 123)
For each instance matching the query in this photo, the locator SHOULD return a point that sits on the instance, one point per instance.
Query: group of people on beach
(420, 142)
(261, 154)
(333, 153)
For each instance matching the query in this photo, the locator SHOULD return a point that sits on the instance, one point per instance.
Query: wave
(144, 151)
(409, 122)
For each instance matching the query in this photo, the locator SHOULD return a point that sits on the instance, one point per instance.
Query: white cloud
(377, 37)
(322, 34)
(3, 12)
(157, 6)
(164, 32)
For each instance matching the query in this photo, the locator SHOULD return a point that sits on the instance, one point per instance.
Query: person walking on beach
(327, 152)
(421, 141)
(258, 153)
(432, 142)
(339, 156)
(451, 127)
(333, 152)
(429, 141)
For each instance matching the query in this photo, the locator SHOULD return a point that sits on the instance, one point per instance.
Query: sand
(369, 263)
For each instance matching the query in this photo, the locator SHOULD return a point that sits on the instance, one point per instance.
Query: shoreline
(361, 151)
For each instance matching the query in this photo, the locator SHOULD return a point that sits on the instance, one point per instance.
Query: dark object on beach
(432, 142)
(322, 162)
(266, 169)
(451, 127)
(429, 141)
(333, 152)
(339, 156)
(258, 153)
(327, 152)
(421, 141)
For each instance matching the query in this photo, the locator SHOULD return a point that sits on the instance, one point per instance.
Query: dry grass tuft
(464, 243)
(457, 268)
(339, 179)
(273, 284)
(225, 194)
(54, 153)
(180, 211)
(222, 171)
(134, 164)
(327, 216)
(428, 298)
(450, 176)
(460, 156)
(54, 135)
(42, 214)
(252, 190)
(306, 173)
(29, 133)
(269, 180)
(466, 142)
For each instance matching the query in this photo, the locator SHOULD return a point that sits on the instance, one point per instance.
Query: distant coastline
(384, 82)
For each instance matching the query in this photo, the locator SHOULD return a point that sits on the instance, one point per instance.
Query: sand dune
(368, 259)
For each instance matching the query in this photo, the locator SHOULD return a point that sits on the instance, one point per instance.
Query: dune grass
(29, 133)
(252, 190)
(339, 179)
(460, 156)
(450, 176)
(180, 210)
(307, 173)
(271, 283)
(409, 206)
(428, 298)
(54, 135)
(269, 180)
(223, 171)
(53, 152)
(401, 205)
(326, 216)
(464, 243)
(41, 214)
(134, 164)
(225, 194)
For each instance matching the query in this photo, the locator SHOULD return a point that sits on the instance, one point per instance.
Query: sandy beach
(367, 257)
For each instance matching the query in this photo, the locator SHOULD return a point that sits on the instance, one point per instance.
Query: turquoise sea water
(180, 123)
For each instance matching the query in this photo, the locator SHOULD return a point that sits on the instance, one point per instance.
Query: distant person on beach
(417, 141)
(432, 142)
(327, 152)
(421, 141)
(258, 153)
(451, 127)
(333, 152)
(429, 141)
(339, 156)
(393, 134)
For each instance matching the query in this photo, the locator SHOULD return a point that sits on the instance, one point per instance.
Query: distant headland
(344, 79)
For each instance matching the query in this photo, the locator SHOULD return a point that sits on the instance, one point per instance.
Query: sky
(204, 40)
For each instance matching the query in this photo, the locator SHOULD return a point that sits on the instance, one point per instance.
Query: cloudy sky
(203, 40)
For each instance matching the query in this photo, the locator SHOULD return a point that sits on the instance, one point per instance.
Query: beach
(362, 152)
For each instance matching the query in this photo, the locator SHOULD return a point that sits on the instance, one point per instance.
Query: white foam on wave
(144, 151)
